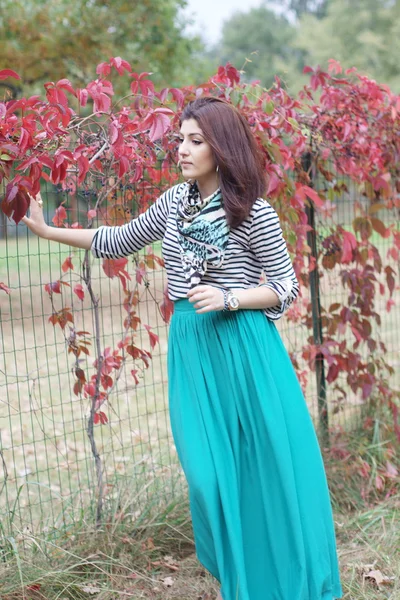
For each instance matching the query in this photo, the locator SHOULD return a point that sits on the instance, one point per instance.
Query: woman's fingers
(206, 298)
(202, 303)
(200, 297)
(35, 221)
(36, 202)
(206, 309)
(197, 290)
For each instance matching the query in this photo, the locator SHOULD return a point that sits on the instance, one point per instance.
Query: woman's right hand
(35, 221)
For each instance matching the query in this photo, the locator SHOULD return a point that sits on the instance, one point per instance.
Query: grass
(140, 545)
(147, 551)
(370, 541)
(42, 423)
(46, 510)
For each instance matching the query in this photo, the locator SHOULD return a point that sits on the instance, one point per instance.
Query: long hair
(239, 160)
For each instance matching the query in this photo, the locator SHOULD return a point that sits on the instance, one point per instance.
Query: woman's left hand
(206, 298)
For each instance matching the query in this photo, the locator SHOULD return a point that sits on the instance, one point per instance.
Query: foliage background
(50, 39)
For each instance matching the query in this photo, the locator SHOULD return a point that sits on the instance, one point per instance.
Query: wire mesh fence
(47, 468)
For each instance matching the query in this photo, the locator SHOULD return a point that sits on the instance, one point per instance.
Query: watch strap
(226, 298)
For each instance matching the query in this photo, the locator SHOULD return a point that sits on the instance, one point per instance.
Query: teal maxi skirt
(259, 499)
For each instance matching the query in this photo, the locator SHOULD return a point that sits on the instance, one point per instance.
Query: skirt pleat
(259, 499)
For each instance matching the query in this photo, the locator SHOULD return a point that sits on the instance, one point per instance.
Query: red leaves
(227, 74)
(114, 132)
(132, 321)
(4, 288)
(119, 65)
(138, 353)
(67, 264)
(177, 95)
(5, 73)
(100, 91)
(83, 167)
(318, 77)
(273, 184)
(34, 587)
(16, 200)
(55, 287)
(349, 245)
(390, 280)
(146, 86)
(60, 216)
(62, 160)
(379, 227)
(152, 260)
(166, 307)
(134, 375)
(154, 339)
(55, 93)
(62, 317)
(334, 66)
(100, 417)
(124, 166)
(78, 290)
(158, 123)
(82, 96)
(140, 272)
(115, 267)
(362, 225)
(304, 191)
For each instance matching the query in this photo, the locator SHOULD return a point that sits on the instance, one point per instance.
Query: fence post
(323, 416)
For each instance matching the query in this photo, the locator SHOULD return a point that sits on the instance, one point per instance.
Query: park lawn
(50, 492)
(42, 422)
(153, 558)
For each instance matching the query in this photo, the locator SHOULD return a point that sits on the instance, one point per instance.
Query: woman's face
(195, 154)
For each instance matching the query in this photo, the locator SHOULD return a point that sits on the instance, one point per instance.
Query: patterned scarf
(203, 232)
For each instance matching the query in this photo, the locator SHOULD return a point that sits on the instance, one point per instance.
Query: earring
(217, 169)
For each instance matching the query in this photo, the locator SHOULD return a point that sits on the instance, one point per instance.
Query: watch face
(233, 302)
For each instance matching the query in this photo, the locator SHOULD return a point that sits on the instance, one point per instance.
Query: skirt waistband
(183, 305)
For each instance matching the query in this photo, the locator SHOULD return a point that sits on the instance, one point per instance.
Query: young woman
(259, 499)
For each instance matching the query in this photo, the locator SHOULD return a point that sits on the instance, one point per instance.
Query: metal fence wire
(47, 471)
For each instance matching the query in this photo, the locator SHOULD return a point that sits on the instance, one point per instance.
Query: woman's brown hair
(239, 160)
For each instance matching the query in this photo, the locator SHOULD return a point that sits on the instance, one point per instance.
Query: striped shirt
(254, 247)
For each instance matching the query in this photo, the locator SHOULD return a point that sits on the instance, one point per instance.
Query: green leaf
(268, 107)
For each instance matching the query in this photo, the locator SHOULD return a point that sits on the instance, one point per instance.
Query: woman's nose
(183, 151)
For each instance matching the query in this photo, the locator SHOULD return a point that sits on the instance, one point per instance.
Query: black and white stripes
(256, 245)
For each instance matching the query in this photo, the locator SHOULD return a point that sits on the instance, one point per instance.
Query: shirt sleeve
(115, 242)
(269, 246)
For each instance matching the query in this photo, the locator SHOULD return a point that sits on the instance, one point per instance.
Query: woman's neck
(208, 187)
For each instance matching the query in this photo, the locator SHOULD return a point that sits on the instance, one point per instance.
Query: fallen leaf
(89, 589)
(377, 577)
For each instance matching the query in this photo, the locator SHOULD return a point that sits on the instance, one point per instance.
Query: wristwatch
(231, 302)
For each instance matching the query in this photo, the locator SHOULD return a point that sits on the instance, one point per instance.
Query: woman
(260, 504)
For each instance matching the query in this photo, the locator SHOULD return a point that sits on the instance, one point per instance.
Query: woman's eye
(197, 142)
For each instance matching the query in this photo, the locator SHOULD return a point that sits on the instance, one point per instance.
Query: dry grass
(42, 423)
(152, 557)
(46, 509)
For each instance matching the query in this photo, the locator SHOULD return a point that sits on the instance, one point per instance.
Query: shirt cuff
(283, 288)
